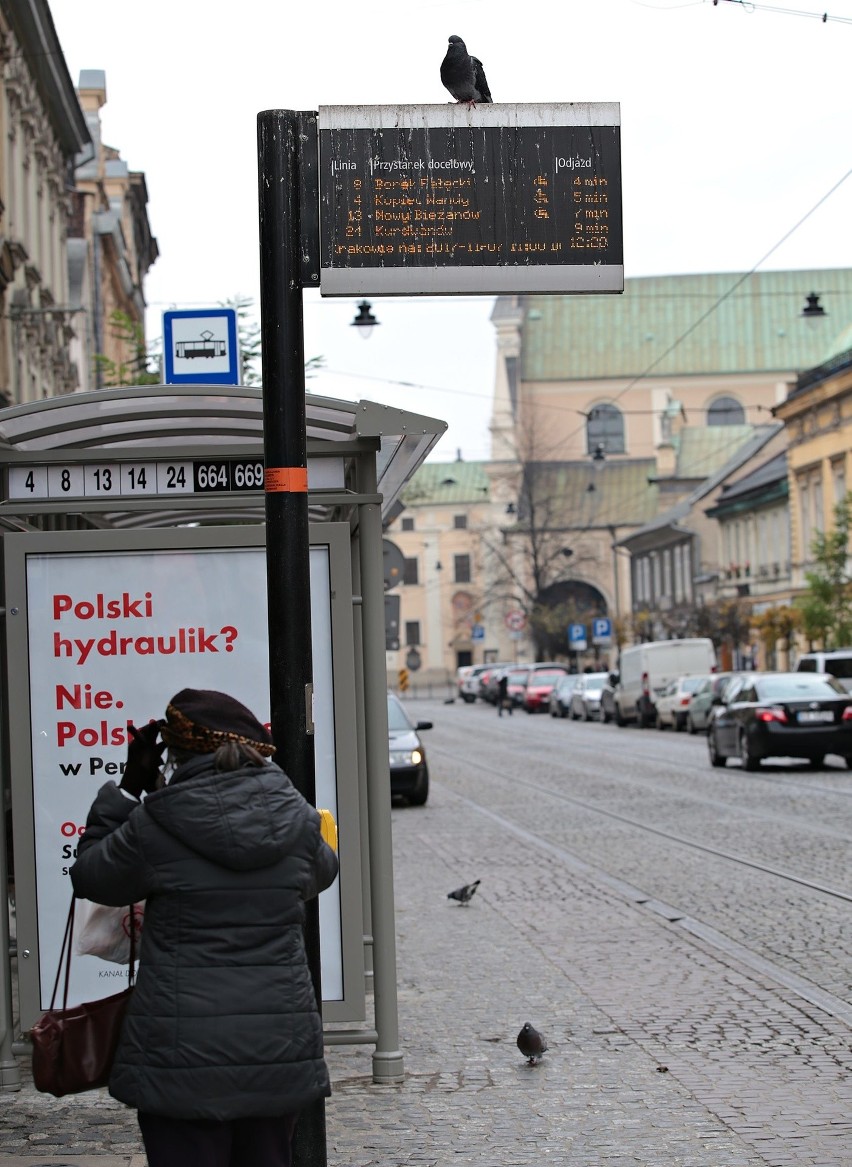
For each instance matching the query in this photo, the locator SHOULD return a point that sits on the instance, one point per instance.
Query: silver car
(586, 696)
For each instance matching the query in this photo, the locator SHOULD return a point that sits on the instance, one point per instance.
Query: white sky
(735, 123)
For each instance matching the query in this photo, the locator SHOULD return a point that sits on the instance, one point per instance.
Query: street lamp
(365, 320)
(813, 312)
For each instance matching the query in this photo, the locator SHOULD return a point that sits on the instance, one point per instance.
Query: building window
(605, 427)
(408, 524)
(838, 476)
(460, 522)
(412, 633)
(725, 411)
(810, 511)
(461, 565)
(410, 572)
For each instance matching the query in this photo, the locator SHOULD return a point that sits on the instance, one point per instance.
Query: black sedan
(409, 773)
(782, 715)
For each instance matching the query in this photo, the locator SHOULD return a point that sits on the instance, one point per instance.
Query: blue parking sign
(602, 631)
(577, 637)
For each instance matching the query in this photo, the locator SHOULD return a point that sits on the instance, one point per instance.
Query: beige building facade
(110, 250)
(42, 130)
(817, 417)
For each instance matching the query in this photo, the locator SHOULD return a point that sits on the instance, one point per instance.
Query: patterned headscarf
(199, 721)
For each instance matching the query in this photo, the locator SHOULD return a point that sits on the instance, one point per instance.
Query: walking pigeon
(463, 74)
(531, 1043)
(464, 894)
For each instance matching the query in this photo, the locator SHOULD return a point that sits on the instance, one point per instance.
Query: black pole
(285, 480)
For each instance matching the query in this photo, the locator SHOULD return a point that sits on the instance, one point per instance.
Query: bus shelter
(133, 564)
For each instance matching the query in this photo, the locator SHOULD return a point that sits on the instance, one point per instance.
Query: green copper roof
(618, 493)
(757, 328)
(702, 450)
(446, 482)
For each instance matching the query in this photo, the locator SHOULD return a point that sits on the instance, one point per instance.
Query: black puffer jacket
(223, 1022)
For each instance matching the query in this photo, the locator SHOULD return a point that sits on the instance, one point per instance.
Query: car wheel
(679, 724)
(749, 761)
(420, 793)
(690, 724)
(716, 758)
(468, 699)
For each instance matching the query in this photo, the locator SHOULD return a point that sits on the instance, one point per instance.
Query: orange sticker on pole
(285, 479)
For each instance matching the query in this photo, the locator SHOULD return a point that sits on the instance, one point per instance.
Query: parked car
(776, 715)
(703, 703)
(559, 699)
(586, 696)
(540, 681)
(461, 672)
(838, 663)
(673, 702)
(608, 698)
(516, 683)
(645, 670)
(489, 681)
(469, 687)
(409, 772)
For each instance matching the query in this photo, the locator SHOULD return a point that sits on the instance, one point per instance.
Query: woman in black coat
(222, 1044)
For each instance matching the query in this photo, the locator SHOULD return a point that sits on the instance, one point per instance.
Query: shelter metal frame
(360, 455)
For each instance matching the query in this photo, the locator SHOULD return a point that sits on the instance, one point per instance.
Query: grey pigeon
(463, 74)
(464, 894)
(531, 1043)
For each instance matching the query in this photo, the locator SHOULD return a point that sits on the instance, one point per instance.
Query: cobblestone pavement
(663, 1051)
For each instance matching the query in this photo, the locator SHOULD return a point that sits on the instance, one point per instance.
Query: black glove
(144, 758)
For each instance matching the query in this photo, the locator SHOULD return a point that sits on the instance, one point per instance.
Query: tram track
(773, 775)
(658, 832)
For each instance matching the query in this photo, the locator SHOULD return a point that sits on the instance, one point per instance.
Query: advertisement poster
(112, 637)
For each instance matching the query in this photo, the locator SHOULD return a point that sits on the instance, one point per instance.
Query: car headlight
(406, 757)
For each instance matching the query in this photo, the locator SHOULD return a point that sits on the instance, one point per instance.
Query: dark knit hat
(199, 721)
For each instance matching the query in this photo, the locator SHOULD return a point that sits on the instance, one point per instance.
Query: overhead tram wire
(749, 6)
(721, 299)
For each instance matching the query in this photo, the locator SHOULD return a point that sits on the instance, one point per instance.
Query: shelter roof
(195, 421)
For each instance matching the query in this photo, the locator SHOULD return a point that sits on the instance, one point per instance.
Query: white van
(645, 669)
(837, 662)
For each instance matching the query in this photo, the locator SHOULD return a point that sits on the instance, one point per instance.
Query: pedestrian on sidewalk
(503, 701)
(222, 1044)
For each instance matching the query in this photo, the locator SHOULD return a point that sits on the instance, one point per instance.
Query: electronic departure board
(495, 198)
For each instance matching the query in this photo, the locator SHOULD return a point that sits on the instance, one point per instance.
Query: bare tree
(533, 559)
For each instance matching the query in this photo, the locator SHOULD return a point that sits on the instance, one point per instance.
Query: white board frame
(102, 557)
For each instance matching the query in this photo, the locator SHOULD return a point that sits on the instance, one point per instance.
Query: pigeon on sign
(531, 1043)
(463, 74)
(464, 894)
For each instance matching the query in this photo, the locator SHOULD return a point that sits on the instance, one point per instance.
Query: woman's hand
(144, 759)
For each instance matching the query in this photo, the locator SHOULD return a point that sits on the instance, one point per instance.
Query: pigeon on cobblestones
(464, 894)
(531, 1043)
(463, 74)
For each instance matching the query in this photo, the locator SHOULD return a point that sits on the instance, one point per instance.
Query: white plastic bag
(105, 932)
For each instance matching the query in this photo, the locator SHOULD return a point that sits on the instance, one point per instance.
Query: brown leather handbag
(74, 1048)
